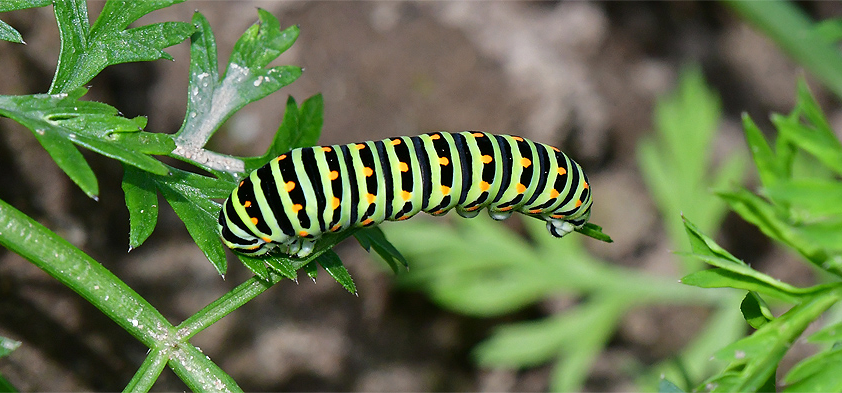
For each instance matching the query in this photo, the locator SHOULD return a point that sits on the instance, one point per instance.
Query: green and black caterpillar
(300, 195)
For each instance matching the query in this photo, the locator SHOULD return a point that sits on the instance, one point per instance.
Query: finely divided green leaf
(829, 29)
(300, 127)
(282, 266)
(190, 197)
(755, 310)
(665, 386)
(767, 218)
(754, 359)
(768, 166)
(8, 33)
(574, 337)
(677, 164)
(288, 135)
(86, 50)
(374, 238)
(69, 159)
(73, 28)
(257, 266)
(60, 120)
(724, 278)
(12, 5)
(142, 202)
(263, 42)
(212, 101)
(735, 273)
(310, 121)
(204, 74)
(819, 142)
(7, 345)
(810, 109)
(793, 30)
(819, 373)
(330, 261)
(705, 246)
(828, 334)
(812, 199)
(594, 231)
(312, 270)
(527, 343)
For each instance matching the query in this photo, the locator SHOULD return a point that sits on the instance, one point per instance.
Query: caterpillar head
(247, 243)
(244, 244)
(239, 240)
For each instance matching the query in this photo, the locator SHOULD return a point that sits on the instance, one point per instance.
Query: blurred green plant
(487, 270)
(677, 162)
(7, 345)
(60, 120)
(796, 206)
(680, 170)
(812, 45)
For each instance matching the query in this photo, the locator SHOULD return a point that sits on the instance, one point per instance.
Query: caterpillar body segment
(304, 193)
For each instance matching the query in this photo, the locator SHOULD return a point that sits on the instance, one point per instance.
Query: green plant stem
(199, 372)
(81, 273)
(149, 371)
(795, 33)
(92, 281)
(226, 304)
(797, 320)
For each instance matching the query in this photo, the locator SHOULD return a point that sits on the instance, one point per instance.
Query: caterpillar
(307, 192)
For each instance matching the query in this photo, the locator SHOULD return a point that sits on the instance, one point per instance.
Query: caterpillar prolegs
(307, 192)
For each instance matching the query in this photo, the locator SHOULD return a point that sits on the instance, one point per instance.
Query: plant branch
(81, 273)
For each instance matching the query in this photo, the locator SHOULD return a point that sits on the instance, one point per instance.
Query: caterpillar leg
(293, 247)
(559, 228)
(300, 248)
(306, 248)
(499, 215)
(467, 213)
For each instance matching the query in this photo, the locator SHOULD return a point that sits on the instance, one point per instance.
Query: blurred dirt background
(579, 75)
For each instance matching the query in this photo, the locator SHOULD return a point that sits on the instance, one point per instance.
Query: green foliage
(213, 99)
(86, 50)
(300, 127)
(811, 45)
(7, 345)
(799, 176)
(8, 33)
(678, 166)
(373, 238)
(595, 231)
(61, 119)
(482, 269)
(805, 160)
(333, 266)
